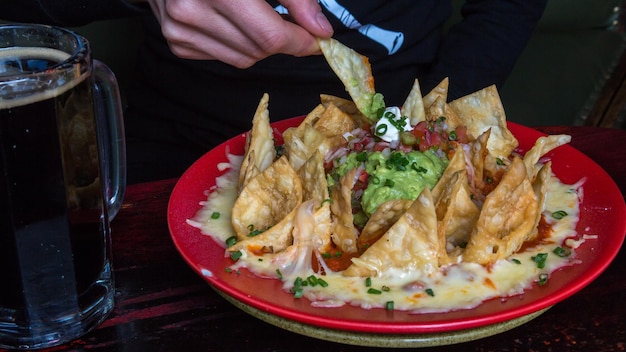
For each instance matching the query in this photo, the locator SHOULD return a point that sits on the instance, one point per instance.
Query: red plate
(602, 212)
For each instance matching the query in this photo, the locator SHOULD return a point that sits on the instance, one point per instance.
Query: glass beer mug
(62, 179)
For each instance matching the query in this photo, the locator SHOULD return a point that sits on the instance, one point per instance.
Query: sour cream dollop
(390, 125)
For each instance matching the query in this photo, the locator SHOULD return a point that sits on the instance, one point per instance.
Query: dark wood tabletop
(162, 305)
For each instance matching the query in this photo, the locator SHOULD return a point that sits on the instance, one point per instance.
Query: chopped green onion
(562, 252)
(215, 215)
(516, 261)
(368, 282)
(419, 168)
(322, 282)
(228, 270)
(385, 288)
(560, 214)
(397, 161)
(374, 291)
(543, 279)
(298, 293)
(452, 136)
(235, 255)
(389, 305)
(280, 275)
(312, 280)
(540, 259)
(381, 130)
(230, 241)
(430, 292)
(499, 161)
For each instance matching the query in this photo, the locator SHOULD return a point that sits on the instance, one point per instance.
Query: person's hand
(240, 32)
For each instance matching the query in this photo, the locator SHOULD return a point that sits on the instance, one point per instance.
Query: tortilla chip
(268, 199)
(410, 245)
(344, 234)
(260, 141)
(354, 70)
(506, 220)
(483, 110)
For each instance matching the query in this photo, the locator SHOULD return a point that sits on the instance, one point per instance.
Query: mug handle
(111, 140)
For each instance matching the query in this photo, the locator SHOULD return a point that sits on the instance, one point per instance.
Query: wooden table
(162, 305)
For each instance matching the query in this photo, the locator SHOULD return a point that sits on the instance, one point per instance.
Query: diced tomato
(461, 134)
(361, 182)
(379, 147)
(435, 139)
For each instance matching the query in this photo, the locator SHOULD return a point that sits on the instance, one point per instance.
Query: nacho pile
(487, 202)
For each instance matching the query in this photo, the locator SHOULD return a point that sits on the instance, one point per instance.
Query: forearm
(67, 12)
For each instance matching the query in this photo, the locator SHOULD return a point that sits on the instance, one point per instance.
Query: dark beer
(53, 227)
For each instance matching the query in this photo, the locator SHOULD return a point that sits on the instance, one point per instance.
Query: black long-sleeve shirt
(195, 105)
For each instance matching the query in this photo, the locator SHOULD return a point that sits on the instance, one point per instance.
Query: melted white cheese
(453, 287)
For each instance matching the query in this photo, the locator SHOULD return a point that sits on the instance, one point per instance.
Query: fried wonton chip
(483, 110)
(334, 122)
(478, 154)
(354, 70)
(413, 106)
(540, 187)
(267, 204)
(506, 220)
(315, 188)
(301, 142)
(298, 255)
(344, 234)
(346, 106)
(312, 117)
(542, 146)
(260, 141)
(410, 245)
(381, 220)
(456, 215)
(439, 108)
(439, 92)
(456, 164)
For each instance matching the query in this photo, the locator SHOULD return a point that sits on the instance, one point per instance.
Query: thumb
(308, 14)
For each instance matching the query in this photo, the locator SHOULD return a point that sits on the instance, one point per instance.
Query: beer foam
(62, 85)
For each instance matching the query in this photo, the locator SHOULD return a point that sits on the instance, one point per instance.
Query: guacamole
(371, 108)
(398, 176)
